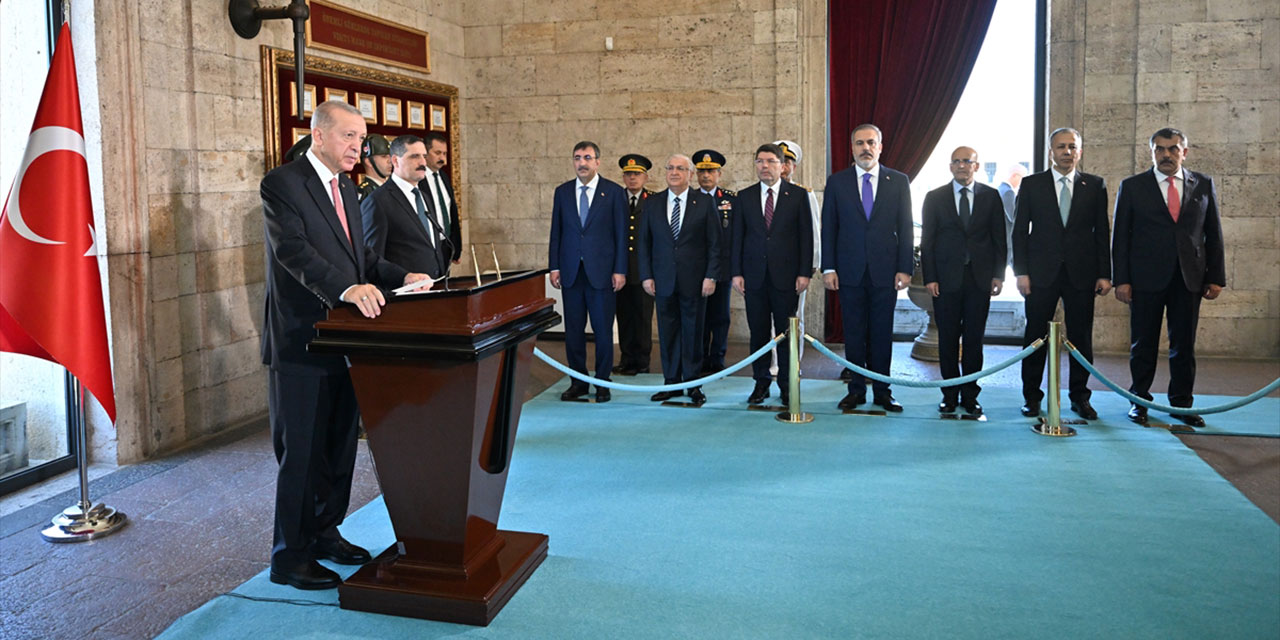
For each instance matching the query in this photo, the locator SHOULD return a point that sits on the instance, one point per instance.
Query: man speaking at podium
(315, 260)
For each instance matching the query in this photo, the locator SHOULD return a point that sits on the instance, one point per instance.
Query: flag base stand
(75, 524)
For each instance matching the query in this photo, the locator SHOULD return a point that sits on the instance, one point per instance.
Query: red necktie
(337, 206)
(1175, 202)
(768, 210)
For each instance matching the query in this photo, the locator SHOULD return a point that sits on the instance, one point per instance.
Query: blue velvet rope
(949, 382)
(1234, 404)
(609, 384)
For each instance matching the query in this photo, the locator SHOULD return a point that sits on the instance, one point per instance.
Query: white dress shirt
(1163, 181)
(875, 182)
(764, 194)
(408, 187)
(684, 206)
(326, 177)
(437, 197)
(1057, 182)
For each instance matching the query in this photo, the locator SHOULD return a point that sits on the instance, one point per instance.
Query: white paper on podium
(415, 288)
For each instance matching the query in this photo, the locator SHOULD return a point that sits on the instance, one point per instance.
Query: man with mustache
(588, 262)
(397, 223)
(1168, 254)
(439, 192)
(315, 260)
(1061, 251)
(867, 256)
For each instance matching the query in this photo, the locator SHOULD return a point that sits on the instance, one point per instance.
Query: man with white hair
(1009, 198)
(679, 249)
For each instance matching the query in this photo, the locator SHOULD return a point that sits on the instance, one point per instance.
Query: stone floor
(200, 521)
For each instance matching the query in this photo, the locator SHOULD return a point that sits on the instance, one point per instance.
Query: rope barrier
(1234, 404)
(608, 384)
(949, 382)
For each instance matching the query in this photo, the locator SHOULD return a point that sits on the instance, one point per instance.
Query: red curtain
(901, 65)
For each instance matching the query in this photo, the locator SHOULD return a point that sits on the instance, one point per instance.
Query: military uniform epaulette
(728, 192)
(802, 186)
(647, 192)
(366, 187)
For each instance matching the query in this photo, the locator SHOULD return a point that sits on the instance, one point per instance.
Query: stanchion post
(1051, 424)
(793, 414)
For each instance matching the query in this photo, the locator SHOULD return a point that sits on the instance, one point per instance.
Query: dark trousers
(1077, 307)
(680, 320)
(635, 327)
(579, 301)
(715, 335)
(868, 330)
(962, 314)
(1145, 312)
(769, 310)
(313, 431)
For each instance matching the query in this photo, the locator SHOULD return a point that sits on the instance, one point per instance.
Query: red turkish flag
(50, 289)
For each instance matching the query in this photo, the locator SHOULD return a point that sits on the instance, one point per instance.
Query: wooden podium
(440, 378)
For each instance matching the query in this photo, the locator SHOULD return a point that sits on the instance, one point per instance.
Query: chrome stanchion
(793, 414)
(1052, 424)
(83, 520)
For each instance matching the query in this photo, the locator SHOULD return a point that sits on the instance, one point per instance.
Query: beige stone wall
(1121, 69)
(182, 126)
(682, 76)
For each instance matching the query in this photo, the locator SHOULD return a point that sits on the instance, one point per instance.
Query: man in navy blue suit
(315, 260)
(1168, 254)
(679, 264)
(588, 262)
(867, 257)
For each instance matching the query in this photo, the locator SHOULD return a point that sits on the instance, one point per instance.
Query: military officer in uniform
(635, 307)
(375, 155)
(715, 333)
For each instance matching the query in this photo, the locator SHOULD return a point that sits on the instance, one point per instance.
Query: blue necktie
(675, 219)
(868, 200)
(583, 207)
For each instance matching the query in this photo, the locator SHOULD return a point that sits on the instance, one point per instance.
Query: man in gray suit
(1009, 198)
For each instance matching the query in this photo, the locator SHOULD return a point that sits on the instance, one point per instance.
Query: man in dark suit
(679, 265)
(588, 262)
(867, 256)
(635, 307)
(315, 260)
(772, 260)
(715, 332)
(438, 191)
(397, 223)
(962, 254)
(1009, 198)
(1061, 251)
(1168, 254)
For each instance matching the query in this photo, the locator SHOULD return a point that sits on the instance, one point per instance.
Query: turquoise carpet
(723, 523)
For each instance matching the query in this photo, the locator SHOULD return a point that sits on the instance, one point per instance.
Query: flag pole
(84, 520)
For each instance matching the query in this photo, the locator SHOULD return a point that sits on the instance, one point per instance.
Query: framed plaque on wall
(392, 104)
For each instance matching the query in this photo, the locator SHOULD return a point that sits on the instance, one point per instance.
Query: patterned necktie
(868, 200)
(339, 209)
(583, 206)
(421, 206)
(768, 210)
(1175, 201)
(1064, 201)
(964, 207)
(675, 219)
(444, 208)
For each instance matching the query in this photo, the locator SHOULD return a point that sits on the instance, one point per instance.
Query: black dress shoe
(851, 401)
(340, 551)
(644, 369)
(309, 575)
(603, 395)
(947, 406)
(785, 397)
(971, 407)
(759, 393)
(1031, 409)
(574, 392)
(697, 396)
(663, 396)
(1189, 419)
(1138, 414)
(619, 368)
(887, 403)
(846, 375)
(1084, 410)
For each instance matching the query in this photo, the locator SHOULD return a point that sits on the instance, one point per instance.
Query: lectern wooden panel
(440, 378)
